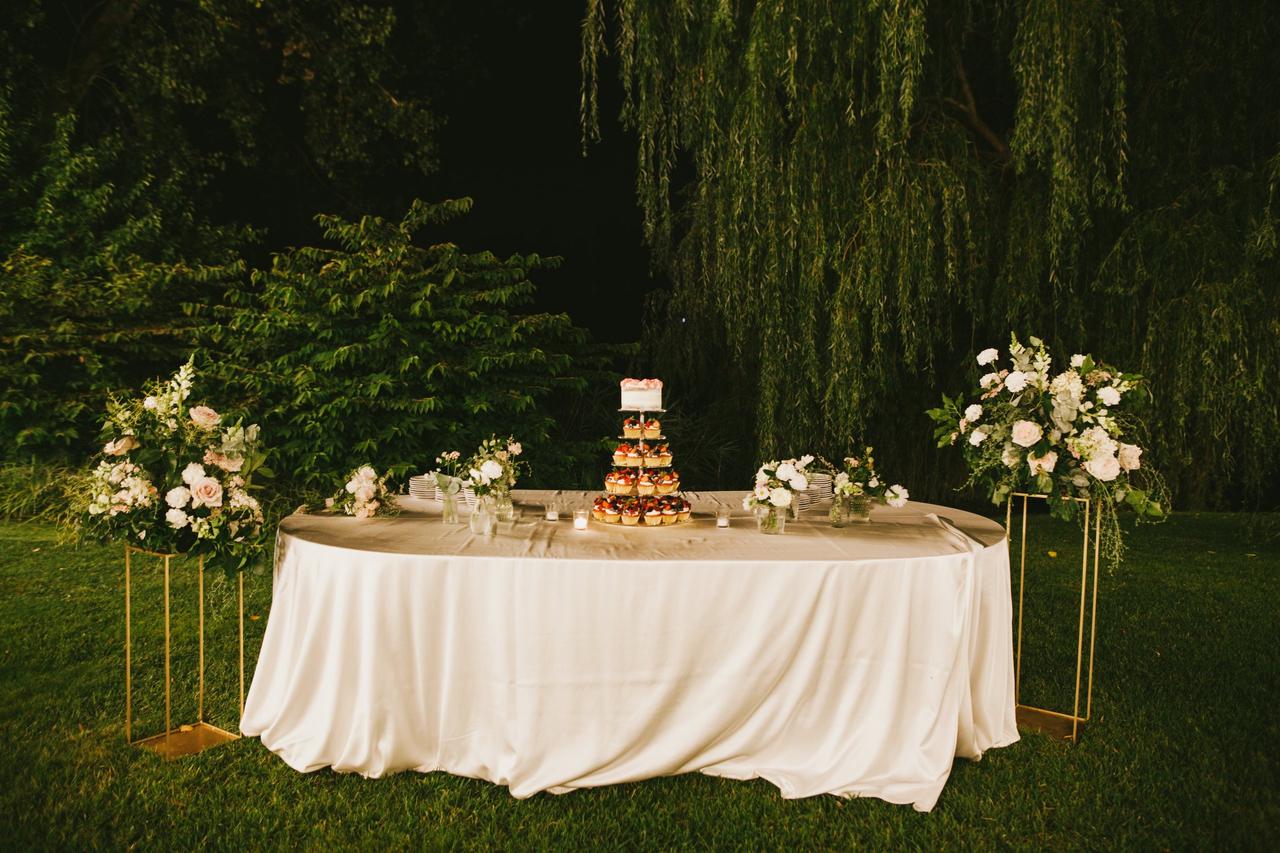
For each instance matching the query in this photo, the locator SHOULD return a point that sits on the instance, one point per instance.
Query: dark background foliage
(838, 205)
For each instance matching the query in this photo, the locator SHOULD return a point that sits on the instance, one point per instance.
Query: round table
(858, 662)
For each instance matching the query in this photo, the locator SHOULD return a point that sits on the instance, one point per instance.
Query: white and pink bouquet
(364, 495)
(1065, 435)
(858, 478)
(493, 469)
(173, 478)
(777, 482)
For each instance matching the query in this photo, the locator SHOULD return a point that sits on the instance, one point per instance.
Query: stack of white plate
(819, 490)
(423, 487)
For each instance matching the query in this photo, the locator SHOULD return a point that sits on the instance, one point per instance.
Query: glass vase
(839, 514)
(484, 521)
(504, 508)
(860, 508)
(449, 488)
(771, 519)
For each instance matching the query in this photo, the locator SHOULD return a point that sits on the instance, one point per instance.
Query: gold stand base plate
(186, 740)
(1051, 723)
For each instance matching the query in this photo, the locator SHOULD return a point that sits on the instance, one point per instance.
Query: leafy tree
(852, 198)
(382, 349)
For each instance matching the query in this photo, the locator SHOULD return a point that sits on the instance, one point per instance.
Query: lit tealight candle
(580, 519)
(553, 513)
(722, 517)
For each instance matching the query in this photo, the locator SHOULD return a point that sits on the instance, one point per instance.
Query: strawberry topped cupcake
(620, 454)
(631, 513)
(652, 514)
(686, 510)
(597, 508)
(652, 428)
(645, 484)
(635, 456)
(669, 513)
(632, 428)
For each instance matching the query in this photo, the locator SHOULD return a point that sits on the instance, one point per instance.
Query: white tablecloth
(856, 662)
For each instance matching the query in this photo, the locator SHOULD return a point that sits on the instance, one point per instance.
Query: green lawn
(1184, 751)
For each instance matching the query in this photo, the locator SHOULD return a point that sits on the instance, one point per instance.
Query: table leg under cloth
(855, 678)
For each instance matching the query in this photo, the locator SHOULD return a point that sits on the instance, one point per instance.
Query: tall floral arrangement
(174, 478)
(1062, 434)
(493, 469)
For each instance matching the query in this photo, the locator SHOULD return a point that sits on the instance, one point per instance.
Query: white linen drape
(854, 662)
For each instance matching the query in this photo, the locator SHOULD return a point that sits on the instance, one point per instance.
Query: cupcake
(665, 484)
(651, 458)
(611, 482)
(669, 514)
(652, 429)
(620, 454)
(626, 483)
(611, 513)
(632, 428)
(645, 484)
(686, 510)
(597, 509)
(664, 454)
(631, 514)
(653, 515)
(635, 457)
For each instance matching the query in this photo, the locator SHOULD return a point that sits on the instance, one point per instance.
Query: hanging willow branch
(807, 178)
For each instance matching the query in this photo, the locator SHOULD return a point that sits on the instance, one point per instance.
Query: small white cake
(642, 395)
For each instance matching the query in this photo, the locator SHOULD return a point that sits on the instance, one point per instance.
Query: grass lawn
(1184, 751)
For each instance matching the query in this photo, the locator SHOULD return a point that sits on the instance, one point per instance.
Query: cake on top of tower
(642, 395)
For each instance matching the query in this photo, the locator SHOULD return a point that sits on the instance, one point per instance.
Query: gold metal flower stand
(1060, 723)
(175, 742)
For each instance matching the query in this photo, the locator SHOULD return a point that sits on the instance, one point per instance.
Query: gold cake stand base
(175, 741)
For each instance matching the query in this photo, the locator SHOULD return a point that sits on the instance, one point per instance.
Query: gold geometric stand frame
(174, 742)
(1059, 723)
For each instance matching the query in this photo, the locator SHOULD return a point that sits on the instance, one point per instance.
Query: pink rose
(120, 446)
(1129, 457)
(206, 491)
(1026, 433)
(1043, 464)
(204, 417)
(221, 460)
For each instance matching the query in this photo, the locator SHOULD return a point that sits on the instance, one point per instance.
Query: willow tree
(852, 197)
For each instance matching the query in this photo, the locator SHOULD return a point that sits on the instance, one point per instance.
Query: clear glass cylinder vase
(771, 519)
(859, 508)
(504, 508)
(839, 514)
(449, 487)
(484, 521)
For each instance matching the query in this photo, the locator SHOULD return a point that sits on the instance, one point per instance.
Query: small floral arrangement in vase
(776, 484)
(364, 495)
(492, 473)
(857, 485)
(1059, 435)
(449, 483)
(174, 478)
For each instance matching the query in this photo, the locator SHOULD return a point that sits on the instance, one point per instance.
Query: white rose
(177, 518)
(206, 491)
(177, 497)
(973, 412)
(841, 479)
(977, 437)
(1011, 456)
(476, 477)
(1026, 433)
(204, 417)
(1109, 395)
(1128, 457)
(367, 473)
(1105, 468)
(1043, 464)
(762, 492)
(780, 497)
(799, 483)
(896, 496)
(785, 471)
(193, 472)
(988, 355)
(1015, 381)
(989, 380)
(491, 469)
(365, 492)
(1077, 360)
